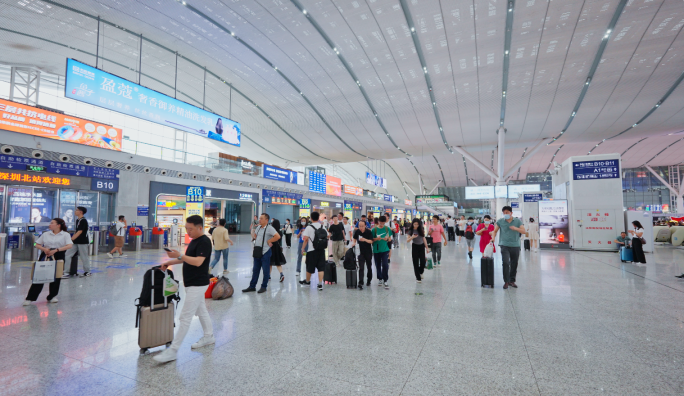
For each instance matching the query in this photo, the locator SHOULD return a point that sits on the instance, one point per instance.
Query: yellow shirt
(220, 238)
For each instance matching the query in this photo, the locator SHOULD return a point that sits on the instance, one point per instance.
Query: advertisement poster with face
(554, 222)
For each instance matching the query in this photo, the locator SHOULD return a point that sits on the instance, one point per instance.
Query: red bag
(212, 283)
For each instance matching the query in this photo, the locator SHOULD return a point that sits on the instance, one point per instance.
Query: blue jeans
(382, 266)
(263, 264)
(299, 256)
(217, 256)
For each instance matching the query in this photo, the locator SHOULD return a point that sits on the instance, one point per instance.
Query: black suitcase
(330, 275)
(351, 279)
(527, 244)
(487, 272)
(73, 267)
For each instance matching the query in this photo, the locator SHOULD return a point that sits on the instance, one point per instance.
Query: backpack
(146, 293)
(349, 261)
(469, 234)
(320, 241)
(113, 230)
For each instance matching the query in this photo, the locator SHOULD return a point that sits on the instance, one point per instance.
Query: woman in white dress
(533, 230)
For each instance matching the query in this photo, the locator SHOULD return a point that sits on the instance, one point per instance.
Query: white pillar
(500, 180)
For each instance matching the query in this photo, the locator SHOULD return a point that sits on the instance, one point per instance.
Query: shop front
(304, 207)
(399, 214)
(353, 209)
(374, 211)
(328, 208)
(281, 205)
(170, 203)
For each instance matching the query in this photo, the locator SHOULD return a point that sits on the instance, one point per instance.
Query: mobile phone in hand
(167, 249)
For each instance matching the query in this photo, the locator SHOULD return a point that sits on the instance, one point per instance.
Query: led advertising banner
(593, 170)
(17, 117)
(514, 190)
(279, 174)
(194, 201)
(353, 190)
(431, 199)
(325, 184)
(96, 87)
(408, 202)
(481, 192)
(501, 191)
(554, 224)
(280, 197)
(376, 180)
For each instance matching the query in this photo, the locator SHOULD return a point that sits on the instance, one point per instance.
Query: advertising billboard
(554, 224)
(376, 180)
(325, 184)
(280, 197)
(353, 190)
(280, 174)
(96, 87)
(431, 199)
(480, 192)
(29, 120)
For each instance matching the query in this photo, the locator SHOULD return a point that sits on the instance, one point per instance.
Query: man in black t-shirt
(196, 279)
(364, 238)
(336, 233)
(81, 242)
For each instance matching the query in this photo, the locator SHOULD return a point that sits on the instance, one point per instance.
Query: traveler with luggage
(315, 241)
(533, 232)
(622, 240)
(638, 242)
(382, 238)
(364, 238)
(509, 242)
(52, 244)
(80, 244)
(436, 232)
(277, 257)
(419, 248)
(483, 230)
(119, 229)
(288, 230)
(221, 240)
(196, 279)
(263, 237)
(469, 235)
(336, 234)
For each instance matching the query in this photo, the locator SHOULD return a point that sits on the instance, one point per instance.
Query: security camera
(207, 178)
(7, 149)
(240, 183)
(37, 154)
(219, 180)
(128, 167)
(164, 172)
(109, 164)
(88, 161)
(64, 158)
(230, 182)
(147, 169)
(180, 174)
(194, 177)
(250, 184)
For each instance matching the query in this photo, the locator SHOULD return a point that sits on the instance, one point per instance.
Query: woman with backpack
(419, 248)
(469, 234)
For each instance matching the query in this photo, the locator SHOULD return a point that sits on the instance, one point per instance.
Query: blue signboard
(103, 173)
(283, 175)
(595, 170)
(280, 197)
(56, 167)
(376, 209)
(515, 205)
(317, 182)
(387, 198)
(532, 197)
(349, 205)
(143, 210)
(104, 185)
(13, 242)
(90, 85)
(376, 180)
(194, 194)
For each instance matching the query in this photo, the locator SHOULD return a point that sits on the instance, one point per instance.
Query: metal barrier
(3, 247)
(24, 251)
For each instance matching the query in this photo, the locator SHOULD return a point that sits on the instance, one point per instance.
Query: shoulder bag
(258, 251)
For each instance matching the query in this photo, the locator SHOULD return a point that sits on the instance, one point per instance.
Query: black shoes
(470, 254)
(512, 284)
(262, 290)
(249, 289)
(304, 282)
(505, 285)
(680, 276)
(360, 287)
(368, 283)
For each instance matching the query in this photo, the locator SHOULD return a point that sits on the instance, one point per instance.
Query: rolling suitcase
(155, 323)
(330, 275)
(527, 244)
(626, 254)
(352, 281)
(487, 272)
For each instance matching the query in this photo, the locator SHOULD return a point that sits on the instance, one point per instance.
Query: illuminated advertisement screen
(90, 85)
(481, 192)
(325, 184)
(29, 120)
(353, 190)
(514, 190)
(553, 222)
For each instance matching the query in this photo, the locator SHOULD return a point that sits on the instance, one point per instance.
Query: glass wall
(19, 204)
(107, 207)
(89, 201)
(641, 190)
(67, 206)
(43, 205)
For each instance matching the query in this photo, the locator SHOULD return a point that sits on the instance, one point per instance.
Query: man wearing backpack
(469, 235)
(315, 241)
(382, 237)
(119, 229)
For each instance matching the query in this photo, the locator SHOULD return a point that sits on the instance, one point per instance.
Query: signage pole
(140, 60)
(97, 45)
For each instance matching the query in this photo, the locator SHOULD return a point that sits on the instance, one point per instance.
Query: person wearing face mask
(533, 230)
(483, 230)
(470, 236)
(288, 233)
(509, 242)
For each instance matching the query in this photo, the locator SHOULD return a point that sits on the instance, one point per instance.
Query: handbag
(258, 251)
(643, 240)
(43, 271)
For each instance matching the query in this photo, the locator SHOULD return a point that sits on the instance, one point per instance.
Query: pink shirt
(435, 231)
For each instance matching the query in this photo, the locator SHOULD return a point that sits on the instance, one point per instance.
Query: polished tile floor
(581, 323)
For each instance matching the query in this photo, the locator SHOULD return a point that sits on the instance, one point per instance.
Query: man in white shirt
(315, 258)
(119, 237)
(347, 233)
(451, 227)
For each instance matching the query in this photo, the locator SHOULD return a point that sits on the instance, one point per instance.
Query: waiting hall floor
(580, 323)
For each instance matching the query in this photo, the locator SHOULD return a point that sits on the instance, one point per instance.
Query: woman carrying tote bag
(52, 244)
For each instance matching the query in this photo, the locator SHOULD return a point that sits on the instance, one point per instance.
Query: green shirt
(508, 237)
(620, 239)
(381, 246)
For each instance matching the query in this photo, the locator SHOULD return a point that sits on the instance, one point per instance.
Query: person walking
(52, 244)
(263, 237)
(533, 230)
(364, 238)
(221, 240)
(195, 279)
(419, 248)
(336, 234)
(509, 242)
(637, 244)
(300, 236)
(382, 238)
(277, 257)
(80, 244)
(483, 230)
(451, 228)
(436, 231)
(288, 230)
(121, 227)
(315, 258)
(348, 235)
(461, 228)
(469, 235)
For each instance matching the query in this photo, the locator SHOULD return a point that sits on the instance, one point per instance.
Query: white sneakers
(110, 255)
(26, 302)
(419, 281)
(422, 276)
(204, 341)
(54, 300)
(167, 355)
(386, 285)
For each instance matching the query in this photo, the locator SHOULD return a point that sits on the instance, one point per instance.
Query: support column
(500, 180)
(25, 85)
